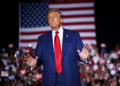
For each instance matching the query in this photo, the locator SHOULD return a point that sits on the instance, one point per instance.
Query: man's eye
(55, 16)
(52, 17)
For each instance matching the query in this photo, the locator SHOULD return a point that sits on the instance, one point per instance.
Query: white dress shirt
(60, 34)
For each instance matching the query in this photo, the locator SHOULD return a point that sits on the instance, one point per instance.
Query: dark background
(106, 15)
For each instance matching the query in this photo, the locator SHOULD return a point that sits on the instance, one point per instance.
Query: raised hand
(29, 60)
(84, 53)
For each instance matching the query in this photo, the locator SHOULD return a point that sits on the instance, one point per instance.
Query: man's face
(54, 20)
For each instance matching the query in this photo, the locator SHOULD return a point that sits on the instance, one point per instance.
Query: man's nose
(52, 20)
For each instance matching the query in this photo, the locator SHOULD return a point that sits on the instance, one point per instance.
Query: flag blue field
(77, 16)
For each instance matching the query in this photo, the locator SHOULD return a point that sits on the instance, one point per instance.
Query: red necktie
(58, 53)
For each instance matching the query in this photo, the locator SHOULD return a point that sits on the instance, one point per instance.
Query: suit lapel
(64, 44)
(50, 45)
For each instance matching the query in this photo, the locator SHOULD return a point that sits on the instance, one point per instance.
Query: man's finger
(25, 62)
(86, 46)
(28, 55)
(36, 58)
(89, 50)
(78, 50)
(25, 57)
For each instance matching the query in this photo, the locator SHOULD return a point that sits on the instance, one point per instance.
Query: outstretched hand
(84, 53)
(29, 60)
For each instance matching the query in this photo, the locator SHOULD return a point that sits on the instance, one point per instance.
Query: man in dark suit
(59, 51)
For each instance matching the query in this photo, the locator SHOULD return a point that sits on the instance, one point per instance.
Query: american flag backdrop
(77, 16)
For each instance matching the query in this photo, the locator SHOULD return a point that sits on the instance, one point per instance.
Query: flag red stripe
(88, 38)
(33, 33)
(79, 23)
(25, 48)
(77, 8)
(42, 32)
(74, 16)
(92, 30)
(30, 40)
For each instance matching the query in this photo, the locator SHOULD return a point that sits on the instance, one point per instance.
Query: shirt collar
(60, 30)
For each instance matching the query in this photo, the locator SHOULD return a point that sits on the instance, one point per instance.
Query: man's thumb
(36, 58)
(78, 50)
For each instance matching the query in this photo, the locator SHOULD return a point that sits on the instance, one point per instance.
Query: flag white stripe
(35, 29)
(29, 37)
(77, 12)
(83, 19)
(75, 5)
(27, 44)
(73, 27)
(87, 34)
(89, 42)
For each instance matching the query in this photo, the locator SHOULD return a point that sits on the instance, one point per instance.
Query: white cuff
(86, 61)
(33, 67)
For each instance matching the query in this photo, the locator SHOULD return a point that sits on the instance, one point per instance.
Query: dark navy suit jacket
(70, 58)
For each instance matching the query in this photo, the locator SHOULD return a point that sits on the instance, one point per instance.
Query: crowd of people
(103, 68)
